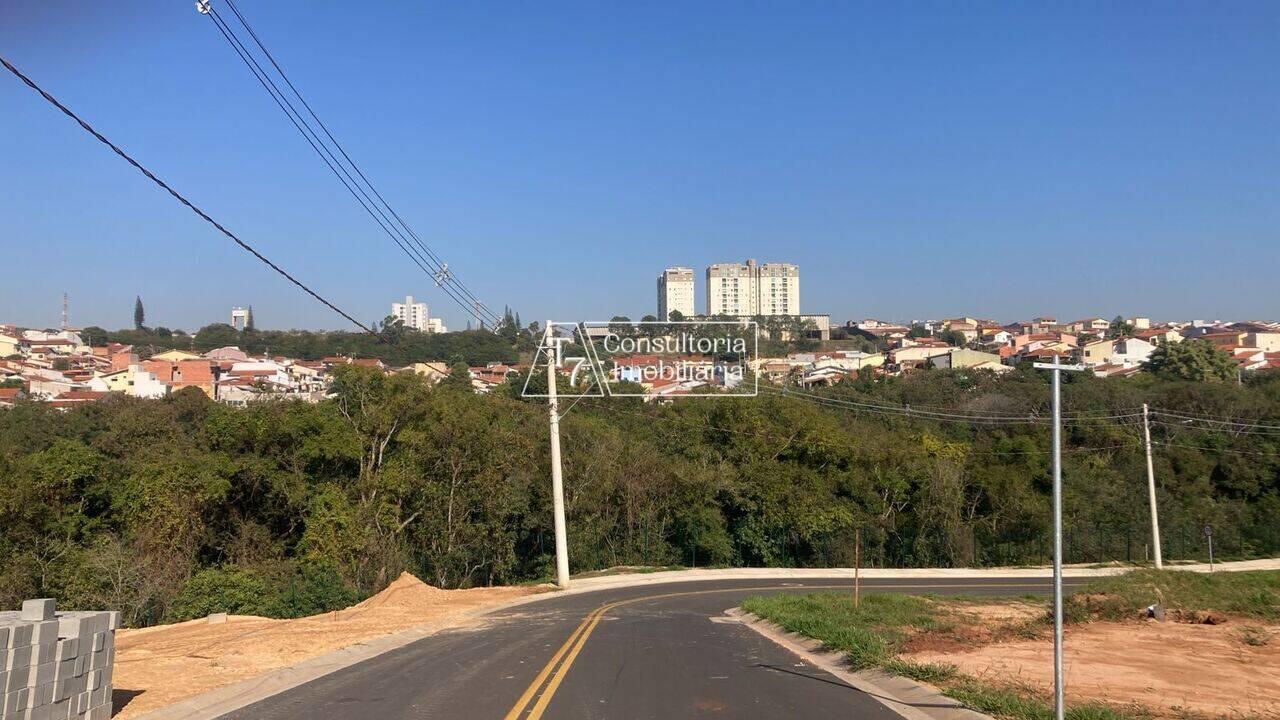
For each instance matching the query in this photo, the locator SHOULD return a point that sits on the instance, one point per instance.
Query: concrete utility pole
(1151, 489)
(1059, 705)
(557, 478)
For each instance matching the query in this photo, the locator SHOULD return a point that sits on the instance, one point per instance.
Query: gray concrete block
(43, 652)
(41, 674)
(19, 658)
(45, 631)
(67, 648)
(19, 635)
(40, 609)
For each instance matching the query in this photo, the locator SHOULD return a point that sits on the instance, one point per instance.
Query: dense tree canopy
(1195, 360)
(169, 509)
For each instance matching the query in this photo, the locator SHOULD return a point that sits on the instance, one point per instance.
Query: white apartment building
(414, 316)
(675, 292)
(749, 289)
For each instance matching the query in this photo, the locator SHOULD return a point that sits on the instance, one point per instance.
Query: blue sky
(915, 159)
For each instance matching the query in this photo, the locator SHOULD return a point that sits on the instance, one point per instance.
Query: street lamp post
(1059, 708)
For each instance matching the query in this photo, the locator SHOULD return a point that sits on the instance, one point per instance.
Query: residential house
(1268, 341)
(1093, 326)
(1159, 335)
(958, 358)
(434, 372)
(1131, 351)
(1098, 352)
(174, 356)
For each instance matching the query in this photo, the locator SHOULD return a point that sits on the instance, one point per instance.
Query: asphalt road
(640, 652)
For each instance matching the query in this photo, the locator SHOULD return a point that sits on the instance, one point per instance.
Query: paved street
(640, 652)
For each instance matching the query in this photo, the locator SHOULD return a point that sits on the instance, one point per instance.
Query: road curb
(909, 699)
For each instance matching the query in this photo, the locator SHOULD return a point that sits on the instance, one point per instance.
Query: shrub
(230, 590)
(312, 588)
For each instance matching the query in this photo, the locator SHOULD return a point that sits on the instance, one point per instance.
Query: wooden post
(857, 566)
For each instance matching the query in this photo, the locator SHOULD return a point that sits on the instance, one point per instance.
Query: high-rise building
(731, 289)
(778, 289)
(242, 318)
(675, 292)
(748, 289)
(413, 315)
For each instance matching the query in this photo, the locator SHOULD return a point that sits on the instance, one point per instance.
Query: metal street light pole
(1059, 707)
(557, 478)
(1151, 489)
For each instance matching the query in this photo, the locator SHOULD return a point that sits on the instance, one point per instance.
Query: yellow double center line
(562, 660)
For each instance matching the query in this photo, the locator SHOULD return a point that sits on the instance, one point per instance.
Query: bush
(312, 588)
(232, 590)
(291, 590)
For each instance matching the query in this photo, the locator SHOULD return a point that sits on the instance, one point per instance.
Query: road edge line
(869, 683)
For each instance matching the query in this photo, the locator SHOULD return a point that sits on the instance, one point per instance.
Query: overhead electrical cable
(825, 443)
(325, 154)
(180, 198)
(423, 246)
(909, 411)
(1224, 422)
(345, 169)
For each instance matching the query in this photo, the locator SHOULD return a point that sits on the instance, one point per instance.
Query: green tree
(621, 326)
(1120, 328)
(139, 315)
(459, 378)
(1196, 360)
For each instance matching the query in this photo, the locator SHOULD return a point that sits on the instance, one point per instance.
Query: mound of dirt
(161, 665)
(405, 592)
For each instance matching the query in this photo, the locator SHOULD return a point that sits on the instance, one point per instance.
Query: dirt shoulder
(162, 665)
(1170, 669)
(1215, 655)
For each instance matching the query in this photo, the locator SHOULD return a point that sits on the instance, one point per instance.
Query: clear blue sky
(915, 159)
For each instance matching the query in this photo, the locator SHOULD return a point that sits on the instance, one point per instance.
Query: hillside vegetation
(171, 508)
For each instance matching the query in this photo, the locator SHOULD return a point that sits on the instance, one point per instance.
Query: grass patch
(869, 634)
(1024, 704)
(1251, 594)
(872, 634)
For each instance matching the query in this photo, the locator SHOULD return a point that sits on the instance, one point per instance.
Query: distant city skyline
(1004, 161)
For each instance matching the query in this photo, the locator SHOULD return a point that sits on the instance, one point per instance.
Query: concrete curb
(220, 701)
(910, 699)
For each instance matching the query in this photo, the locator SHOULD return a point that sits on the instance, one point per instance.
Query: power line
(1187, 417)
(177, 196)
(1201, 448)
(426, 248)
(828, 444)
(940, 417)
(317, 145)
(379, 210)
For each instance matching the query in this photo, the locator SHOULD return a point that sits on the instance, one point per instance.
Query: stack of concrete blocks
(56, 665)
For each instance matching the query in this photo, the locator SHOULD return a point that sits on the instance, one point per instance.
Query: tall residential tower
(414, 316)
(675, 292)
(749, 289)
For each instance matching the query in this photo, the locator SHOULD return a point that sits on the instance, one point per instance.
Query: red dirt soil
(1170, 668)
